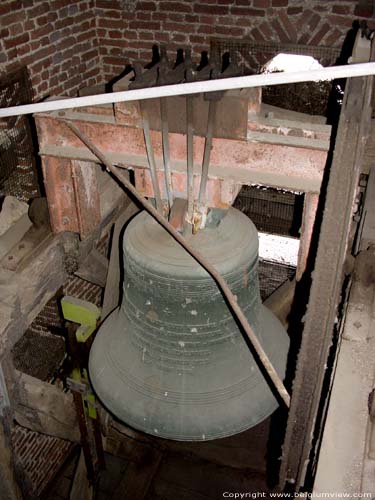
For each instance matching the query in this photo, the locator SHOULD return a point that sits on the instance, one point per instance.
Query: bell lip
(108, 324)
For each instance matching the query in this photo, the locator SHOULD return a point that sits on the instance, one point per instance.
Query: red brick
(292, 11)
(257, 35)
(131, 35)
(114, 34)
(145, 35)
(146, 6)
(340, 21)
(288, 26)
(112, 14)
(207, 20)
(313, 22)
(175, 16)
(333, 38)
(208, 9)
(15, 17)
(16, 29)
(174, 6)
(266, 30)
(304, 38)
(262, 3)
(283, 37)
(197, 39)
(364, 10)
(181, 27)
(143, 16)
(4, 33)
(14, 42)
(306, 15)
(191, 18)
(38, 10)
(40, 32)
(179, 37)
(159, 16)
(111, 23)
(224, 30)
(144, 25)
(279, 3)
(319, 35)
(107, 4)
(23, 50)
(244, 11)
(207, 29)
(341, 9)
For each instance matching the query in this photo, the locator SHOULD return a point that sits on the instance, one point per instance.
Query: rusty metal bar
(151, 158)
(222, 284)
(166, 155)
(190, 157)
(207, 151)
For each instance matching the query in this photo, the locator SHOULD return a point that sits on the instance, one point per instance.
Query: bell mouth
(207, 401)
(171, 361)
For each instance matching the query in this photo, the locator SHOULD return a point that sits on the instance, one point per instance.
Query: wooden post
(9, 489)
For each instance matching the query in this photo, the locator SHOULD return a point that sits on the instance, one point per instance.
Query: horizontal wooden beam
(236, 161)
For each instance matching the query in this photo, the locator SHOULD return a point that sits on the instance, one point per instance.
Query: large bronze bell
(171, 361)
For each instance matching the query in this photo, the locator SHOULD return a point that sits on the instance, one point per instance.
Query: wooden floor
(186, 471)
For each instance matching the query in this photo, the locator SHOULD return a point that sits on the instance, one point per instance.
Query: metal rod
(190, 157)
(207, 150)
(263, 358)
(239, 82)
(165, 140)
(151, 158)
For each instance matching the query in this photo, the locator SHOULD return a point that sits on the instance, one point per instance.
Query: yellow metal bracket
(82, 312)
(86, 315)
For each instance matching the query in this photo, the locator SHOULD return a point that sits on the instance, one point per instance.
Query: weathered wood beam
(9, 487)
(23, 294)
(237, 161)
(44, 408)
(327, 281)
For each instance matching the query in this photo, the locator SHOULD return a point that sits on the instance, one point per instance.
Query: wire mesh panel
(17, 160)
(251, 56)
(272, 211)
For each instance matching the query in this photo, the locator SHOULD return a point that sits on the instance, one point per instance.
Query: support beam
(44, 408)
(299, 451)
(234, 161)
(9, 489)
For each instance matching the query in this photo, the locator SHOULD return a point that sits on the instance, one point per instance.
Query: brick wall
(56, 39)
(127, 33)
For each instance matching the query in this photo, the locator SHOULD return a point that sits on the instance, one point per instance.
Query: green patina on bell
(171, 361)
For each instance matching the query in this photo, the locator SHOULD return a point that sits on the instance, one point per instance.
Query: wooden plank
(81, 488)
(44, 408)
(310, 208)
(9, 489)
(137, 478)
(327, 279)
(239, 161)
(86, 195)
(58, 183)
(23, 294)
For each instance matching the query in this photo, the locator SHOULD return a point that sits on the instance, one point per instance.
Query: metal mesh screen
(251, 56)
(17, 161)
(272, 275)
(272, 210)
